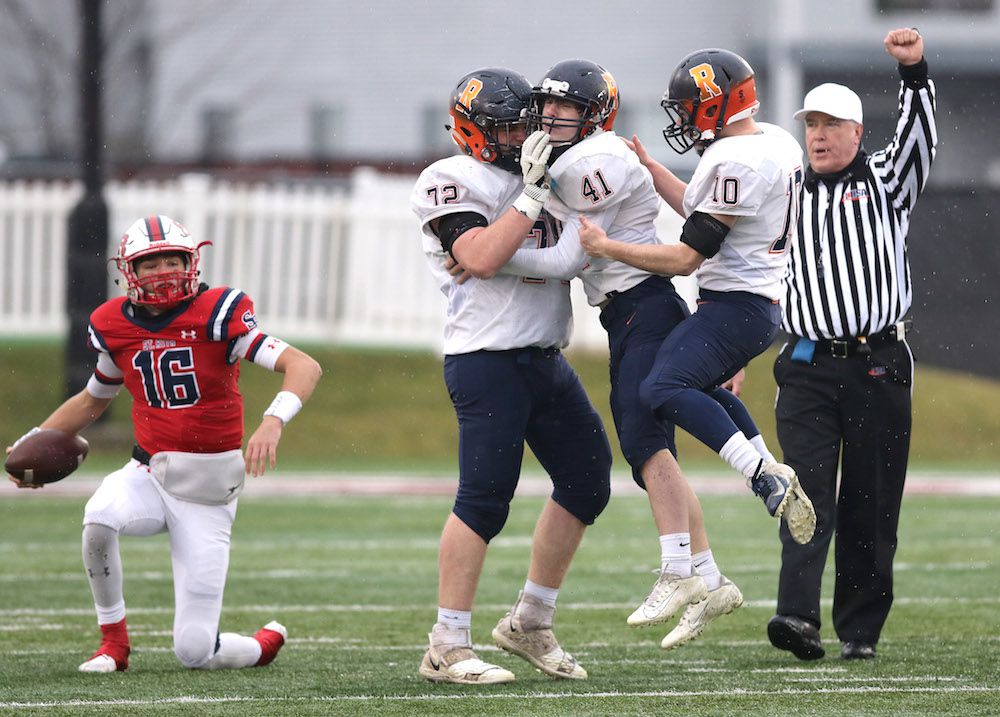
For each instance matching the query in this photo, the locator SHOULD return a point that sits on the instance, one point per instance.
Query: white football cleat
(721, 601)
(526, 631)
(670, 593)
(778, 486)
(100, 663)
(460, 665)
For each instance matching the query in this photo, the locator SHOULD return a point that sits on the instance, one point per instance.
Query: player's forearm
(302, 372)
(668, 186)
(672, 259)
(483, 250)
(77, 412)
(564, 261)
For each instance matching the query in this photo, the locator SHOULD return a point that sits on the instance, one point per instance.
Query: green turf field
(354, 580)
(389, 410)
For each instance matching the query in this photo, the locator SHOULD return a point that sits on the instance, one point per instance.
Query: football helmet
(159, 234)
(584, 83)
(708, 90)
(487, 107)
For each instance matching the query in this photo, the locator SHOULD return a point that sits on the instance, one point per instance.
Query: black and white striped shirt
(848, 273)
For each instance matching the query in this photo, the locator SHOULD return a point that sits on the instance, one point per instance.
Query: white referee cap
(832, 99)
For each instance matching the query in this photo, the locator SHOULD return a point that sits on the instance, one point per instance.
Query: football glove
(534, 157)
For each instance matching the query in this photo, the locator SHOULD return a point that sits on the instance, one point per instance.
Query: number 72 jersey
(179, 369)
(758, 178)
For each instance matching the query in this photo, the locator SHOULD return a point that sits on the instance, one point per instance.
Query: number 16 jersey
(178, 368)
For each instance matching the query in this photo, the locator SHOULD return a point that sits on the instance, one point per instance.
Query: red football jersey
(185, 392)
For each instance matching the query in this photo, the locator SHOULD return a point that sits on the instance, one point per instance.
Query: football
(46, 456)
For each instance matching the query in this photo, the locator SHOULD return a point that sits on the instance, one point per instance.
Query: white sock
(758, 443)
(455, 619)
(546, 595)
(741, 455)
(704, 564)
(110, 615)
(675, 554)
(235, 651)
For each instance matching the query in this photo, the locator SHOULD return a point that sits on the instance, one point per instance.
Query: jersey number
(730, 190)
(168, 377)
(448, 194)
(791, 212)
(597, 188)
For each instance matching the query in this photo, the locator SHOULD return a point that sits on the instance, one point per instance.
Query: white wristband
(531, 200)
(284, 406)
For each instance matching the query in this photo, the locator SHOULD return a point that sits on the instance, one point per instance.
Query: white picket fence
(323, 265)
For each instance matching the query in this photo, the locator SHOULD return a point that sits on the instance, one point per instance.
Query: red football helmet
(708, 90)
(159, 234)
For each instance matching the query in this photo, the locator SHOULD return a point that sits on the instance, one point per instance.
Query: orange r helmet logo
(704, 77)
(469, 93)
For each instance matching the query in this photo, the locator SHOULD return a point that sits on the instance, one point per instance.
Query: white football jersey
(602, 178)
(756, 177)
(504, 312)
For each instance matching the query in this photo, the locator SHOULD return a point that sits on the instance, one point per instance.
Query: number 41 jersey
(178, 368)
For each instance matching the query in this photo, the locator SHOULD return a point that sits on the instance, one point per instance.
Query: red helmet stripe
(154, 228)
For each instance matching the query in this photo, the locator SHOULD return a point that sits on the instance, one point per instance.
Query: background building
(309, 89)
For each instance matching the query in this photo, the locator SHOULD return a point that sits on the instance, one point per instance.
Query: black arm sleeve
(914, 76)
(704, 233)
(451, 226)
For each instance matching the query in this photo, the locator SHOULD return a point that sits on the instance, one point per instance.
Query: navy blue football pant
(855, 411)
(721, 337)
(501, 400)
(637, 322)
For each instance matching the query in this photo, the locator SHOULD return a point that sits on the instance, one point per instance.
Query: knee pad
(485, 517)
(195, 645)
(586, 501)
(656, 395)
(98, 538)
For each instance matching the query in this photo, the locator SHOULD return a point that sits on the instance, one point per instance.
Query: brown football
(46, 456)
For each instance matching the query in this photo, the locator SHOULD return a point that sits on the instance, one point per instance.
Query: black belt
(141, 455)
(842, 348)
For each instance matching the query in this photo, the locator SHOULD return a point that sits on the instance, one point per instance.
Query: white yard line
(557, 696)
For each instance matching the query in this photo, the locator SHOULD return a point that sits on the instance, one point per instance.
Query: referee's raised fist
(905, 45)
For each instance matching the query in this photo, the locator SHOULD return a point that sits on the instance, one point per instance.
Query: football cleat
(670, 593)
(721, 601)
(112, 655)
(778, 486)
(460, 665)
(533, 640)
(271, 637)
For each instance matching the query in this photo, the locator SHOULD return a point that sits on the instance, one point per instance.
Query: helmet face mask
(584, 84)
(487, 110)
(158, 236)
(709, 90)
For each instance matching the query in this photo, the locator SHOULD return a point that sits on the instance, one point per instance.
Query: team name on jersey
(153, 344)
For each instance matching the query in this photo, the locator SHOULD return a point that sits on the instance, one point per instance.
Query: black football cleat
(800, 637)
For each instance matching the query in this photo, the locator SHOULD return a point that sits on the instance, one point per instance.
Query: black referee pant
(859, 405)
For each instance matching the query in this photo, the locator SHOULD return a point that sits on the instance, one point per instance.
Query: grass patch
(354, 580)
(389, 411)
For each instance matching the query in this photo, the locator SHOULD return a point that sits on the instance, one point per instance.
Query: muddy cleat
(112, 655)
(526, 631)
(670, 593)
(721, 601)
(778, 486)
(271, 637)
(461, 666)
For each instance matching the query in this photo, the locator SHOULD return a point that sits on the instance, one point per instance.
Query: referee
(845, 376)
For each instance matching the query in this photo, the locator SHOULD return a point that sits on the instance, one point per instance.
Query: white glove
(534, 158)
